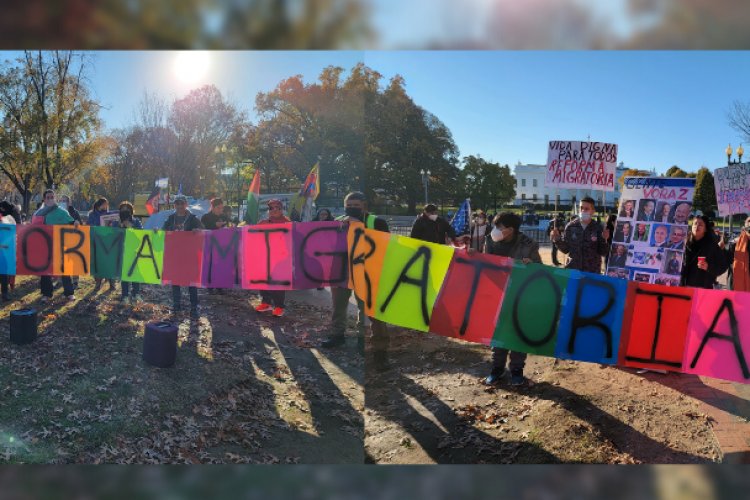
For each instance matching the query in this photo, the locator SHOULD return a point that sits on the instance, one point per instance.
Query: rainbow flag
(301, 206)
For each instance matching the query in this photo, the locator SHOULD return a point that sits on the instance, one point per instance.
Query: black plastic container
(23, 326)
(160, 344)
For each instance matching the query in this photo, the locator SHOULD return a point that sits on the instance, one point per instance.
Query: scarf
(741, 265)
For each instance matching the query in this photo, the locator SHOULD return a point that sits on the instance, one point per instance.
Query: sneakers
(495, 376)
(263, 307)
(71, 298)
(334, 341)
(278, 311)
(517, 378)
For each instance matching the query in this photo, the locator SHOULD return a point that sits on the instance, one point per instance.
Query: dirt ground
(431, 407)
(245, 388)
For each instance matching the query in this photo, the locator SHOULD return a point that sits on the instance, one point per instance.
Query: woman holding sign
(273, 300)
(506, 240)
(704, 260)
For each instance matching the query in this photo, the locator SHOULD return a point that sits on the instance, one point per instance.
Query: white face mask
(432, 216)
(496, 235)
(63, 205)
(585, 216)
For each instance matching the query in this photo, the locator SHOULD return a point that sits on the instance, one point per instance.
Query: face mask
(353, 212)
(432, 217)
(125, 215)
(63, 205)
(585, 217)
(747, 229)
(496, 235)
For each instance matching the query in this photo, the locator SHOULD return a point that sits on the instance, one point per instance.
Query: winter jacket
(433, 231)
(707, 247)
(192, 222)
(520, 247)
(585, 246)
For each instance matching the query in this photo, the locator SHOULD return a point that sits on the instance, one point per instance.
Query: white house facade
(530, 189)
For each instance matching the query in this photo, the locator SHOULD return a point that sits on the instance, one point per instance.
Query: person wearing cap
(273, 300)
(183, 220)
(429, 226)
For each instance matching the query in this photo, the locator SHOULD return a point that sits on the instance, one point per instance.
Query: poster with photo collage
(651, 231)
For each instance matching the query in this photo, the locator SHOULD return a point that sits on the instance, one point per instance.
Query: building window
(533, 197)
(557, 199)
(546, 199)
(523, 182)
(523, 196)
(533, 182)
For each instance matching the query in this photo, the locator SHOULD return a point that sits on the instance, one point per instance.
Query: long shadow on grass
(340, 425)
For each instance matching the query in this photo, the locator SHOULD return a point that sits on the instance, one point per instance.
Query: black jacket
(190, 223)
(707, 247)
(521, 247)
(433, 231)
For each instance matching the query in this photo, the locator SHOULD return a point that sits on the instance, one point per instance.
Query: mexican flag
(253, 200)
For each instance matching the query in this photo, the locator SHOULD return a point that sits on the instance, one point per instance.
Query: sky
(661, 108)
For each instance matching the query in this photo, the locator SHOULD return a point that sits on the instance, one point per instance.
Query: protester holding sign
(739, 263)
(506, 240)
(584, 240)
(51, 213)
(704, 260)
(183, 220)
(101, 208)
(8, 215)
(127, 220)
(355, 206)
(273, 300)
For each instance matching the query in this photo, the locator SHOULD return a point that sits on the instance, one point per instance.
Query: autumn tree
(51, 122)
(675, 171)
(201, 121)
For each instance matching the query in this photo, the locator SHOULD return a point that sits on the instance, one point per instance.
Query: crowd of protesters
(583, 241)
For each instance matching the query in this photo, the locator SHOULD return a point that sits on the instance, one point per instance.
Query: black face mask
(356, 213)
(125, 215)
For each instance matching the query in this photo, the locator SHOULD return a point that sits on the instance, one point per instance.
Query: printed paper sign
(648, 245)
(581, 165)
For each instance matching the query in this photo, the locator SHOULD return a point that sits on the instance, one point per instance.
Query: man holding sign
(584, 240)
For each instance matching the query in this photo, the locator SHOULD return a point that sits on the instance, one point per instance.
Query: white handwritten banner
(733, 189)
(581, 165)
(651, 230)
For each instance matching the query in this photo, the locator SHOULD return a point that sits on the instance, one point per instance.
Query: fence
(537, 233)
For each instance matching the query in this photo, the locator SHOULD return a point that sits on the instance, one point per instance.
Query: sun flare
(191, 66)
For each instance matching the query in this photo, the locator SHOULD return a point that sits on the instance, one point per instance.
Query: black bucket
(160, 344)
(23, 327)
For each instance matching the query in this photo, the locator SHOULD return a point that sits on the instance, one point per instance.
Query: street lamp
(426, 183)
(739, 152)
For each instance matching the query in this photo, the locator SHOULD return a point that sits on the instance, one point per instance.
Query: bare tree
(739, 118)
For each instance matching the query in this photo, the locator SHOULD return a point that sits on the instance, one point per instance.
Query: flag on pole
(152, 204)
(179, 190)
(301, 205)
(461, 219)
(253, 200)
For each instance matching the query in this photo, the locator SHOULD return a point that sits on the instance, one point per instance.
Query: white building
(530, 189)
